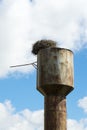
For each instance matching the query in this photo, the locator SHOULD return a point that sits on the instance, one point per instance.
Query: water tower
(54, 81)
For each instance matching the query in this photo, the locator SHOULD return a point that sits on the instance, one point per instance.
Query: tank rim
(58, 48)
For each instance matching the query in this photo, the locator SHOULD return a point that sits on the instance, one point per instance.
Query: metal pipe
(55, 113)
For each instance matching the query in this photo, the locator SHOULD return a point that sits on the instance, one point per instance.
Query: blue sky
(80, 89)
(22, 23)
(22, 92)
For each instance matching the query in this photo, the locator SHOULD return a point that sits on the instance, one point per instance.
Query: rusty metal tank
(55, 71)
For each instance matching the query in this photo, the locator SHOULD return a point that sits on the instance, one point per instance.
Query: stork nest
(42, 44)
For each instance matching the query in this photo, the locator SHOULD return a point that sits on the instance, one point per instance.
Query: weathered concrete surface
(55, 113)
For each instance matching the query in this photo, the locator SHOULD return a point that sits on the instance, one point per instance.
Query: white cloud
(23, 22)
(30, 120)
(80, 125)
(23, 120)
(83, 104)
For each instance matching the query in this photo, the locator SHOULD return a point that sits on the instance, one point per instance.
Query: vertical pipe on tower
(55, 113)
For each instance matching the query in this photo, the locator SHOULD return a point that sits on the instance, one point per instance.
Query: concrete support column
(55, 113)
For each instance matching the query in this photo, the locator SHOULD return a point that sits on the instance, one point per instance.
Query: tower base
(55, 113)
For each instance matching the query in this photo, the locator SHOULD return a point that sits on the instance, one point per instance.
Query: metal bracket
(34, 64)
